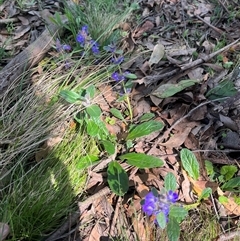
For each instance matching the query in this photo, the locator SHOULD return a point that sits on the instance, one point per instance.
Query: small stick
(210, 25)
(115, 217)
(8, 20)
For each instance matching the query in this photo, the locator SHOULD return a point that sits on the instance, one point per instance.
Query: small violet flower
(110, 48)
(95, 47)
(117, 77)
(62, 47)
(172, 196)
(81, 39)
(118, 60)
(153, 205)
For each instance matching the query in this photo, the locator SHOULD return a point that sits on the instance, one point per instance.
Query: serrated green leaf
(70, 96)
(146, 117)
(228, 171)
(209, 167)
(178, 212)
(206, 192)
(190, 163)
(108, 146)
(117, 178)
(231, 184)
(170, 182)
(161, 220)
(168, 90)
(144, 129)
(142, 160)
(117, 113)
(173, 230)
(94, 111)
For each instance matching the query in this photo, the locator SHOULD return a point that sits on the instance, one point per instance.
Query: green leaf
(173, 229)
(130, 76)
(94, 111)
(92, 128)
(228, 171)
(209, 167)
(142, 160)
(70, 96)
(117, 113)
(91, 90)
(117, 178)
(167, 90)
(86, 161)
(224, 89)
(178, 212)
(223, 199)
(190, 163)
(147, 117)
(144, 129)
(206, 192)
(231, 184)
(170, 182)
(108, 146)
(161, 220)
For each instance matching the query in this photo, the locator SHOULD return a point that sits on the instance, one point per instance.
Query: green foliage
(144, 129)
(190, 163)
(168, 90)
(205, 194)
(117, 178)
(224, 89)
(232, 185)
(170, 182)
(142, 160)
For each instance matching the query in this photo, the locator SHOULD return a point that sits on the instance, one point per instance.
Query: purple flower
(66, 47)
(118, 60)
(81, 39)
(62, 47)
(117, 77)
(85, 29)
(150, 202)
(172, 196)
(95, 47)
(110, 48)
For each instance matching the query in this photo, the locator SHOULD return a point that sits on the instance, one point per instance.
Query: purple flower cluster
(62, 47)
(85, 40)
(154, 204)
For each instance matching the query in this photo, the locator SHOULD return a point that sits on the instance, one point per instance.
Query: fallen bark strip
(29, 57)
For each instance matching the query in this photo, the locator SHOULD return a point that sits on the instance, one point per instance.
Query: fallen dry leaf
(157, 54)
(147, 26)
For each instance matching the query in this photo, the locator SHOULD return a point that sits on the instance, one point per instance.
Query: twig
(72, 220)
(224, 7)
(8, 20)
(210, 25)
(210, 56)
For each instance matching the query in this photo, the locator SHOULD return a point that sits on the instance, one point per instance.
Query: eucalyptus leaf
(144, 129)
(168, 90)
(117, 178)
(142, 160)
(190, 163)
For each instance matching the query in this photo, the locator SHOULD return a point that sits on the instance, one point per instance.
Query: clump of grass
(37, 196)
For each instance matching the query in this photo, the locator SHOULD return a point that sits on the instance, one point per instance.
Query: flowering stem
(129, 108)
